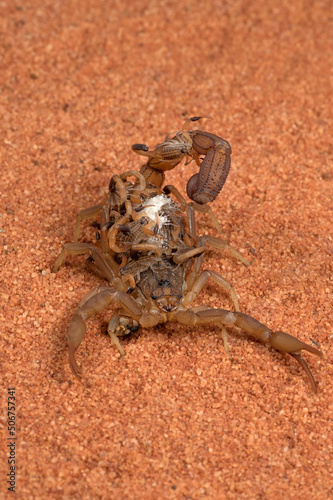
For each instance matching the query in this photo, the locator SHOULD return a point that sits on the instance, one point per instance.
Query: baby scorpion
(204, 186)
(153, 261)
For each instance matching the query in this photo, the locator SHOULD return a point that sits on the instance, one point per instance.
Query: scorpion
(152, 257)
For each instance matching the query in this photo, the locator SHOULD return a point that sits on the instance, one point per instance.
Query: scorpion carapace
(204, 186)
(152, 258)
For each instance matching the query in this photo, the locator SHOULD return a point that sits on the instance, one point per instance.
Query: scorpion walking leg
(87, 213)
(103, 269)
(103, 220)
(179, 197)
(190, 208)
(102, 264)
(147, 247)
(204, 209)
(180, 258)
(93, 268)
(117, 186)
(195, 282)
(184, 206)
(278, 340)
(112, 234)
(90, 213)
(222, 244)
(95, 301)
(200, 283)
(71, 249)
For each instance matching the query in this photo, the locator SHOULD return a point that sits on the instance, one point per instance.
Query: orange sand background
(80, 82)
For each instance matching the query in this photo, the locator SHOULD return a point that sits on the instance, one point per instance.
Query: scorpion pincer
(210, 152)
(152, 258)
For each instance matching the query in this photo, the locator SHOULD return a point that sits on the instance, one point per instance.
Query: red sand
(80, 82)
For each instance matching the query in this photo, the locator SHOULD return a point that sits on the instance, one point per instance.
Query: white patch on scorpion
(152, 209)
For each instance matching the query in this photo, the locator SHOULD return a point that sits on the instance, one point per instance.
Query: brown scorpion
(152, 258)
(204, 186)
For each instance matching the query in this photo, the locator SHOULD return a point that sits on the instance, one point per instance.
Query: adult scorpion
(152, 257)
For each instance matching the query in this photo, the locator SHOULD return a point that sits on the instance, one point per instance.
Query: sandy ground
(80, 82)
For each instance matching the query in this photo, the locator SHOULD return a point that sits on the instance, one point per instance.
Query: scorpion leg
(117, 185)
(222, 245)
(179, 197)
(87, 213)
(200, 282)
(180, 258)
(99, 262)
(95, 301)
(71, 249)
(147, 247)
(195, 281)
(183, 206)
(113, 231)
(224, 333)
(280, 341)
(93, 268)
(204, 209)
(102, 264)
